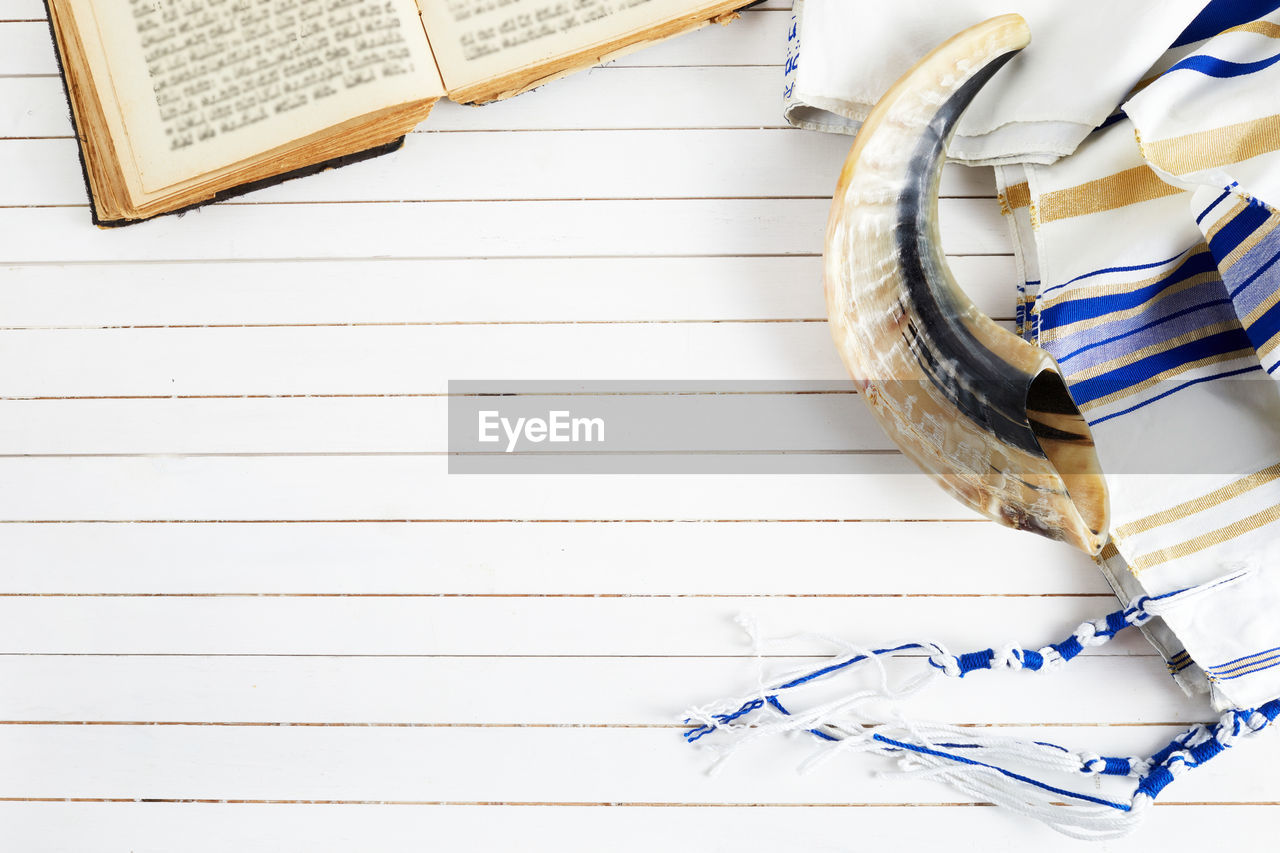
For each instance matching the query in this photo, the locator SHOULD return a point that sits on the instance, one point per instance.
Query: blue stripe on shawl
(1244, 662)
(1233, 665)
(1234, 232)
(1223, 15)
(1265, 327)
(1073, 310)
(1106, 270)
(1198, 380)
(1212, 66)
(1264, 263)
(1243, 674)
(1227, 672)
(1192, 316)
(1063, 792)
(1217, 201)
(1087, 390)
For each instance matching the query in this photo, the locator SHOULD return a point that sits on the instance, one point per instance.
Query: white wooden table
(243, 607)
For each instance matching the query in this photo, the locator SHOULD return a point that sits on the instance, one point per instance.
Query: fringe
(1004, 770)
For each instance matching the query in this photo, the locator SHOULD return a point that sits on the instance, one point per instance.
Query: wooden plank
(828, 423)
(532, 558)
(524, 625)
(522, 765)
(19, 10)
(492, 290)
(406, 359)
(698, 227)
(390, 488)
(479, 691)
(33, 107)
(206, 828)
(534, 165)
(26, 47)
(410, 359)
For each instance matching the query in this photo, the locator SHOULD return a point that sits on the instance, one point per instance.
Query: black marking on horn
(1051, 433)
(994, 394)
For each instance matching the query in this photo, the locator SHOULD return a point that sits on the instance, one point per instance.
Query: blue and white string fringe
(977, 763)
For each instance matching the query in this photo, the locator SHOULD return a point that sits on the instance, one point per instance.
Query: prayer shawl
(1149, 265)
(843, 54)
(1150, 270)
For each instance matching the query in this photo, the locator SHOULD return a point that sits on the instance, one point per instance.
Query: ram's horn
(982, 411)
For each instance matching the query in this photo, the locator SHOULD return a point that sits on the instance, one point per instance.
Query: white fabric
(1083, 58)
(1151, 270)
(1177, 111)
(1150, 260)
(1172, 202)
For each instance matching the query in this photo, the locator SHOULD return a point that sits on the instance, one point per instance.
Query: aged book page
(205, 84)
(483, 40)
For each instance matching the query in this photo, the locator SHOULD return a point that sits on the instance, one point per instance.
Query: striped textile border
(1179, 662)
(1243, 666)
(1244, 238)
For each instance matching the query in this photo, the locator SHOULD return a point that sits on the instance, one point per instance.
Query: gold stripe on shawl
(1127, 313)
(1168, 374)
(1248, 243)
(1264, 28)
(1257, 667)
(1208, 540)
(1015, 196)
(1113, 289)
(1188, 508)
(1163, 346)
(1263, 307)
(1206, 149)
(1242, 663)
(1221, 222)
(1119, 190)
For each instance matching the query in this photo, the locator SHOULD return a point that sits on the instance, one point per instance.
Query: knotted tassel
(974, 762)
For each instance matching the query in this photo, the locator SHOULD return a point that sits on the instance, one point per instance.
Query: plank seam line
(578, 804)
(482, 200)
(610, 726)
(421, 394)
(430, 323)
(747, 656)
(435, 323)
(494, 521)
(451, 454)
(139, 262)
(852, 596)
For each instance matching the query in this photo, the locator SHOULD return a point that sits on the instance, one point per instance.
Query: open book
(178, 102)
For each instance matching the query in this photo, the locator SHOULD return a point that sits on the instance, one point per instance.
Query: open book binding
(181, 102)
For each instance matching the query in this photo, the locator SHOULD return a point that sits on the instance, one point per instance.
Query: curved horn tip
(1013, 29)
(951, 387)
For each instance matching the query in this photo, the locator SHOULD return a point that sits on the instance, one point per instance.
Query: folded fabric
(1151, 275)
(1085, 56)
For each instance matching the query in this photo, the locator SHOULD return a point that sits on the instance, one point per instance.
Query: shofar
(982, 411)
